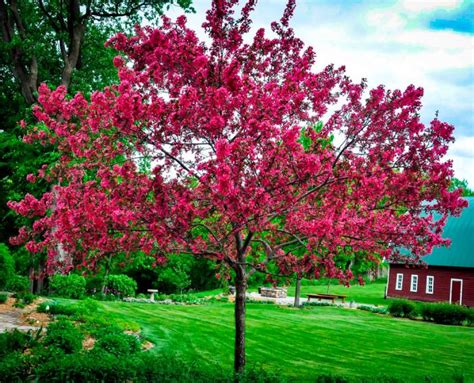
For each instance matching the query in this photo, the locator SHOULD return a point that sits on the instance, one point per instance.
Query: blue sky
(429, 43)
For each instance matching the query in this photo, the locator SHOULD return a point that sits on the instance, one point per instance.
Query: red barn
(449, 276)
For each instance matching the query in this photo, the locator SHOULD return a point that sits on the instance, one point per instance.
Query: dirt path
(22, 319)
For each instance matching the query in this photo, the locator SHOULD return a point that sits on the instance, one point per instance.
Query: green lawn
(372, 293)
(303, 343)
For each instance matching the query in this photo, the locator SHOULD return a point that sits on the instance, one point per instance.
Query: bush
(121, 285)
(309, 304)
(402, 308)
(14, 367)
(55, 308)
(88, 367)
(23, 299)
(445, 313)
(68, 286)
(7, 266)
(18, 283)
(94, 284)
(64, 336)
(17, 341)
(375, 310)
(3, 298)
(118, 344)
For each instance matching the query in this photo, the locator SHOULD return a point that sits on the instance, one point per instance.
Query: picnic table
(332, 297)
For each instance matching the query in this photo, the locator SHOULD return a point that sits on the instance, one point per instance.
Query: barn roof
(460, 230)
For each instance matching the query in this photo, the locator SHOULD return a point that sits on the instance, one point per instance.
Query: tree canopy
(217, 150)
(55, 42)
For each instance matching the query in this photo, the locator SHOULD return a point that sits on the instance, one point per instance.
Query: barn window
(399, 284)
(429, 284)
(414, 283)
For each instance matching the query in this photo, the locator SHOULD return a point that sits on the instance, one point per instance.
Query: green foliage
(64, 336)
(3, 297)
(94, 284)
(375, 310)
(68, 286)
(78, 310)
(445, 313)
(25, 298)
(461, 184)
(17, 341)
(176, 273)
(18, 283)
(118, 343)
(14, 367)
(180, 298)
(55, 308)
(7, 266)
(121, 285)
(402, 308)
(316, 304)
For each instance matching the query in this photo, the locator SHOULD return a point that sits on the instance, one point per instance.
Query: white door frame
(451, 290)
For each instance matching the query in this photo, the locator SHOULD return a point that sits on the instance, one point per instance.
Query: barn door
(455, 296)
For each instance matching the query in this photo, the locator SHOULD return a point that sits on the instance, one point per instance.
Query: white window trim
(398, 281)
(428, 277)
(414, 278)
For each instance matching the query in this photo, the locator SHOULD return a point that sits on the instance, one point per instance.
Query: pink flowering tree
(218, 150)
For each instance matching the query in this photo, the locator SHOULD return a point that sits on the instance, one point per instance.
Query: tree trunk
(239, 311)
(26, 77)
(297, 291)
(32, 279)
(107, 271)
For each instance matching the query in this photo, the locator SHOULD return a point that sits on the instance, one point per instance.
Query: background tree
(57, 42)
(462, 184)
(230, 179)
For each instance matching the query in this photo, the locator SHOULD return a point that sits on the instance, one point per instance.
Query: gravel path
(11, 320)
(16, 318)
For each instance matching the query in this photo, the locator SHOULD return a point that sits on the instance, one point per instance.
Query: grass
(372, 293)
(304, 343)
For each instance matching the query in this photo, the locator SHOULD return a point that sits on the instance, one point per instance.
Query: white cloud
(429, 5)
(387, 44)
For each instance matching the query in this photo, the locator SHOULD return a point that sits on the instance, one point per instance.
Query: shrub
(118, 344)
(56, 308)
(17, 341)
(18, 283)
(24, 298)
(121, 285)
(88, 367)
(375, 310)
(68, 286)
(63, 335)
(7, 266)
(402, 308)
(445, 313)
(94, 284)
(14, 367)
(3, 298)
(309, 304)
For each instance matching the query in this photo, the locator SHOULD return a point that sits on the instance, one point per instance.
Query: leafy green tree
(7, 266)
(60, 42)
(462, 184)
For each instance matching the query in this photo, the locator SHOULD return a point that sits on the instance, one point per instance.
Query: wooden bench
(331, 297)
